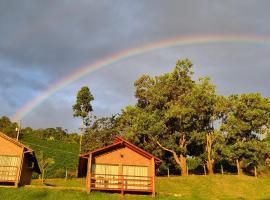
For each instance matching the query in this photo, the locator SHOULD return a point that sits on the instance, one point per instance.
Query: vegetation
(191, 187)
(100, 133)
(177, 118)
(187, 119)
(82, 108)
(64, 154)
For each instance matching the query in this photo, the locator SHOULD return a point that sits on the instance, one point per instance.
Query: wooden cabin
(17, 162)
(121, 166)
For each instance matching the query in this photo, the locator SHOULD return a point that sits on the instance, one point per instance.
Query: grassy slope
(64, 154)
(192, 187)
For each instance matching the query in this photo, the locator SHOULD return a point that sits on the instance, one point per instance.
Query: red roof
(119, 141)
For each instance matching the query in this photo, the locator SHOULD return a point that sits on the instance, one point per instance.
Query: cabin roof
(27, 150)
(120, 142)
(15, 142)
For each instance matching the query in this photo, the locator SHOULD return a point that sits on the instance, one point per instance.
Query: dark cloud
(43, 41)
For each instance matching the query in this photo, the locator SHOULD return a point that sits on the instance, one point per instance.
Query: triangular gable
(27, 150)
(14, 141)
(120, 142)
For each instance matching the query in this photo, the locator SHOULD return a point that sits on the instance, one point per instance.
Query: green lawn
(192, 187)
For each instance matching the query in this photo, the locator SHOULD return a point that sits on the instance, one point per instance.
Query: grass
(192, 187)
(64, 154)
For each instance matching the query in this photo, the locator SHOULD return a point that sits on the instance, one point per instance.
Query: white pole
(18, 130)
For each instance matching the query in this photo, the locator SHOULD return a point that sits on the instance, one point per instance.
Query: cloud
(44, 41)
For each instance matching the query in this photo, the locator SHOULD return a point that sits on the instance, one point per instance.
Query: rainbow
(90, 68)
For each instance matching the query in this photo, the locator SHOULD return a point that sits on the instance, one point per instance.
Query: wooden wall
(124, 156)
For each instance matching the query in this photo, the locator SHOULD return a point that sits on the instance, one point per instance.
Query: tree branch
(169, 150)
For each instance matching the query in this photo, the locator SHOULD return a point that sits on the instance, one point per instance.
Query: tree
(83, 107)
(44, 163)
(247, 116)
(171, 111)
(100, 133)
(8, 127)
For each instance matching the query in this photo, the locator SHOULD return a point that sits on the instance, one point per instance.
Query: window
(106, 175)
(8, 167)
(136, 177)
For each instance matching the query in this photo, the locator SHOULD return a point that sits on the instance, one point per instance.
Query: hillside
(64, 154)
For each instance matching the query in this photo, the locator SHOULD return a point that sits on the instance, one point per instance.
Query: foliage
(83, 107)
(172, 111)
(246, 117)
(99, 134)
(193, 163)
(186, 118)
(8, 127)
(44, 164)
(64, 154)
(51, 134)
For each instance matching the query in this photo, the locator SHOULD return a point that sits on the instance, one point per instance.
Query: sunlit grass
(191, 187)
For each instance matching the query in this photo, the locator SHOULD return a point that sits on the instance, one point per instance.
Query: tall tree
(171, 109)
(82, 108)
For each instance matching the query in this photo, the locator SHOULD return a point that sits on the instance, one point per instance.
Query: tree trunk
(239, 168)
(204, 169)
(210, 161)
(42, 176)
(255, 172)
(181, 160)
(183, 165)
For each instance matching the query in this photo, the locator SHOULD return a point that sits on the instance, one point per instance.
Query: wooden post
(168, 171)
(122, 185)
(204, 169)
(66, 175)
(88, 177)
(255, 172)
(121, 178)
(153, 176)
(221, 168)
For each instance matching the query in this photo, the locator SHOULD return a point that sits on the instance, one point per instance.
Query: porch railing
(121, 182)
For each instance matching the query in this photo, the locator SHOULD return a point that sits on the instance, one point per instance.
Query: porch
(122, 183)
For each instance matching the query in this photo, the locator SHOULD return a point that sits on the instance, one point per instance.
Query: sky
(42, 42)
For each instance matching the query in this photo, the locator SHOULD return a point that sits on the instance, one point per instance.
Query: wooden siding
(124, 156)
(9, 148)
